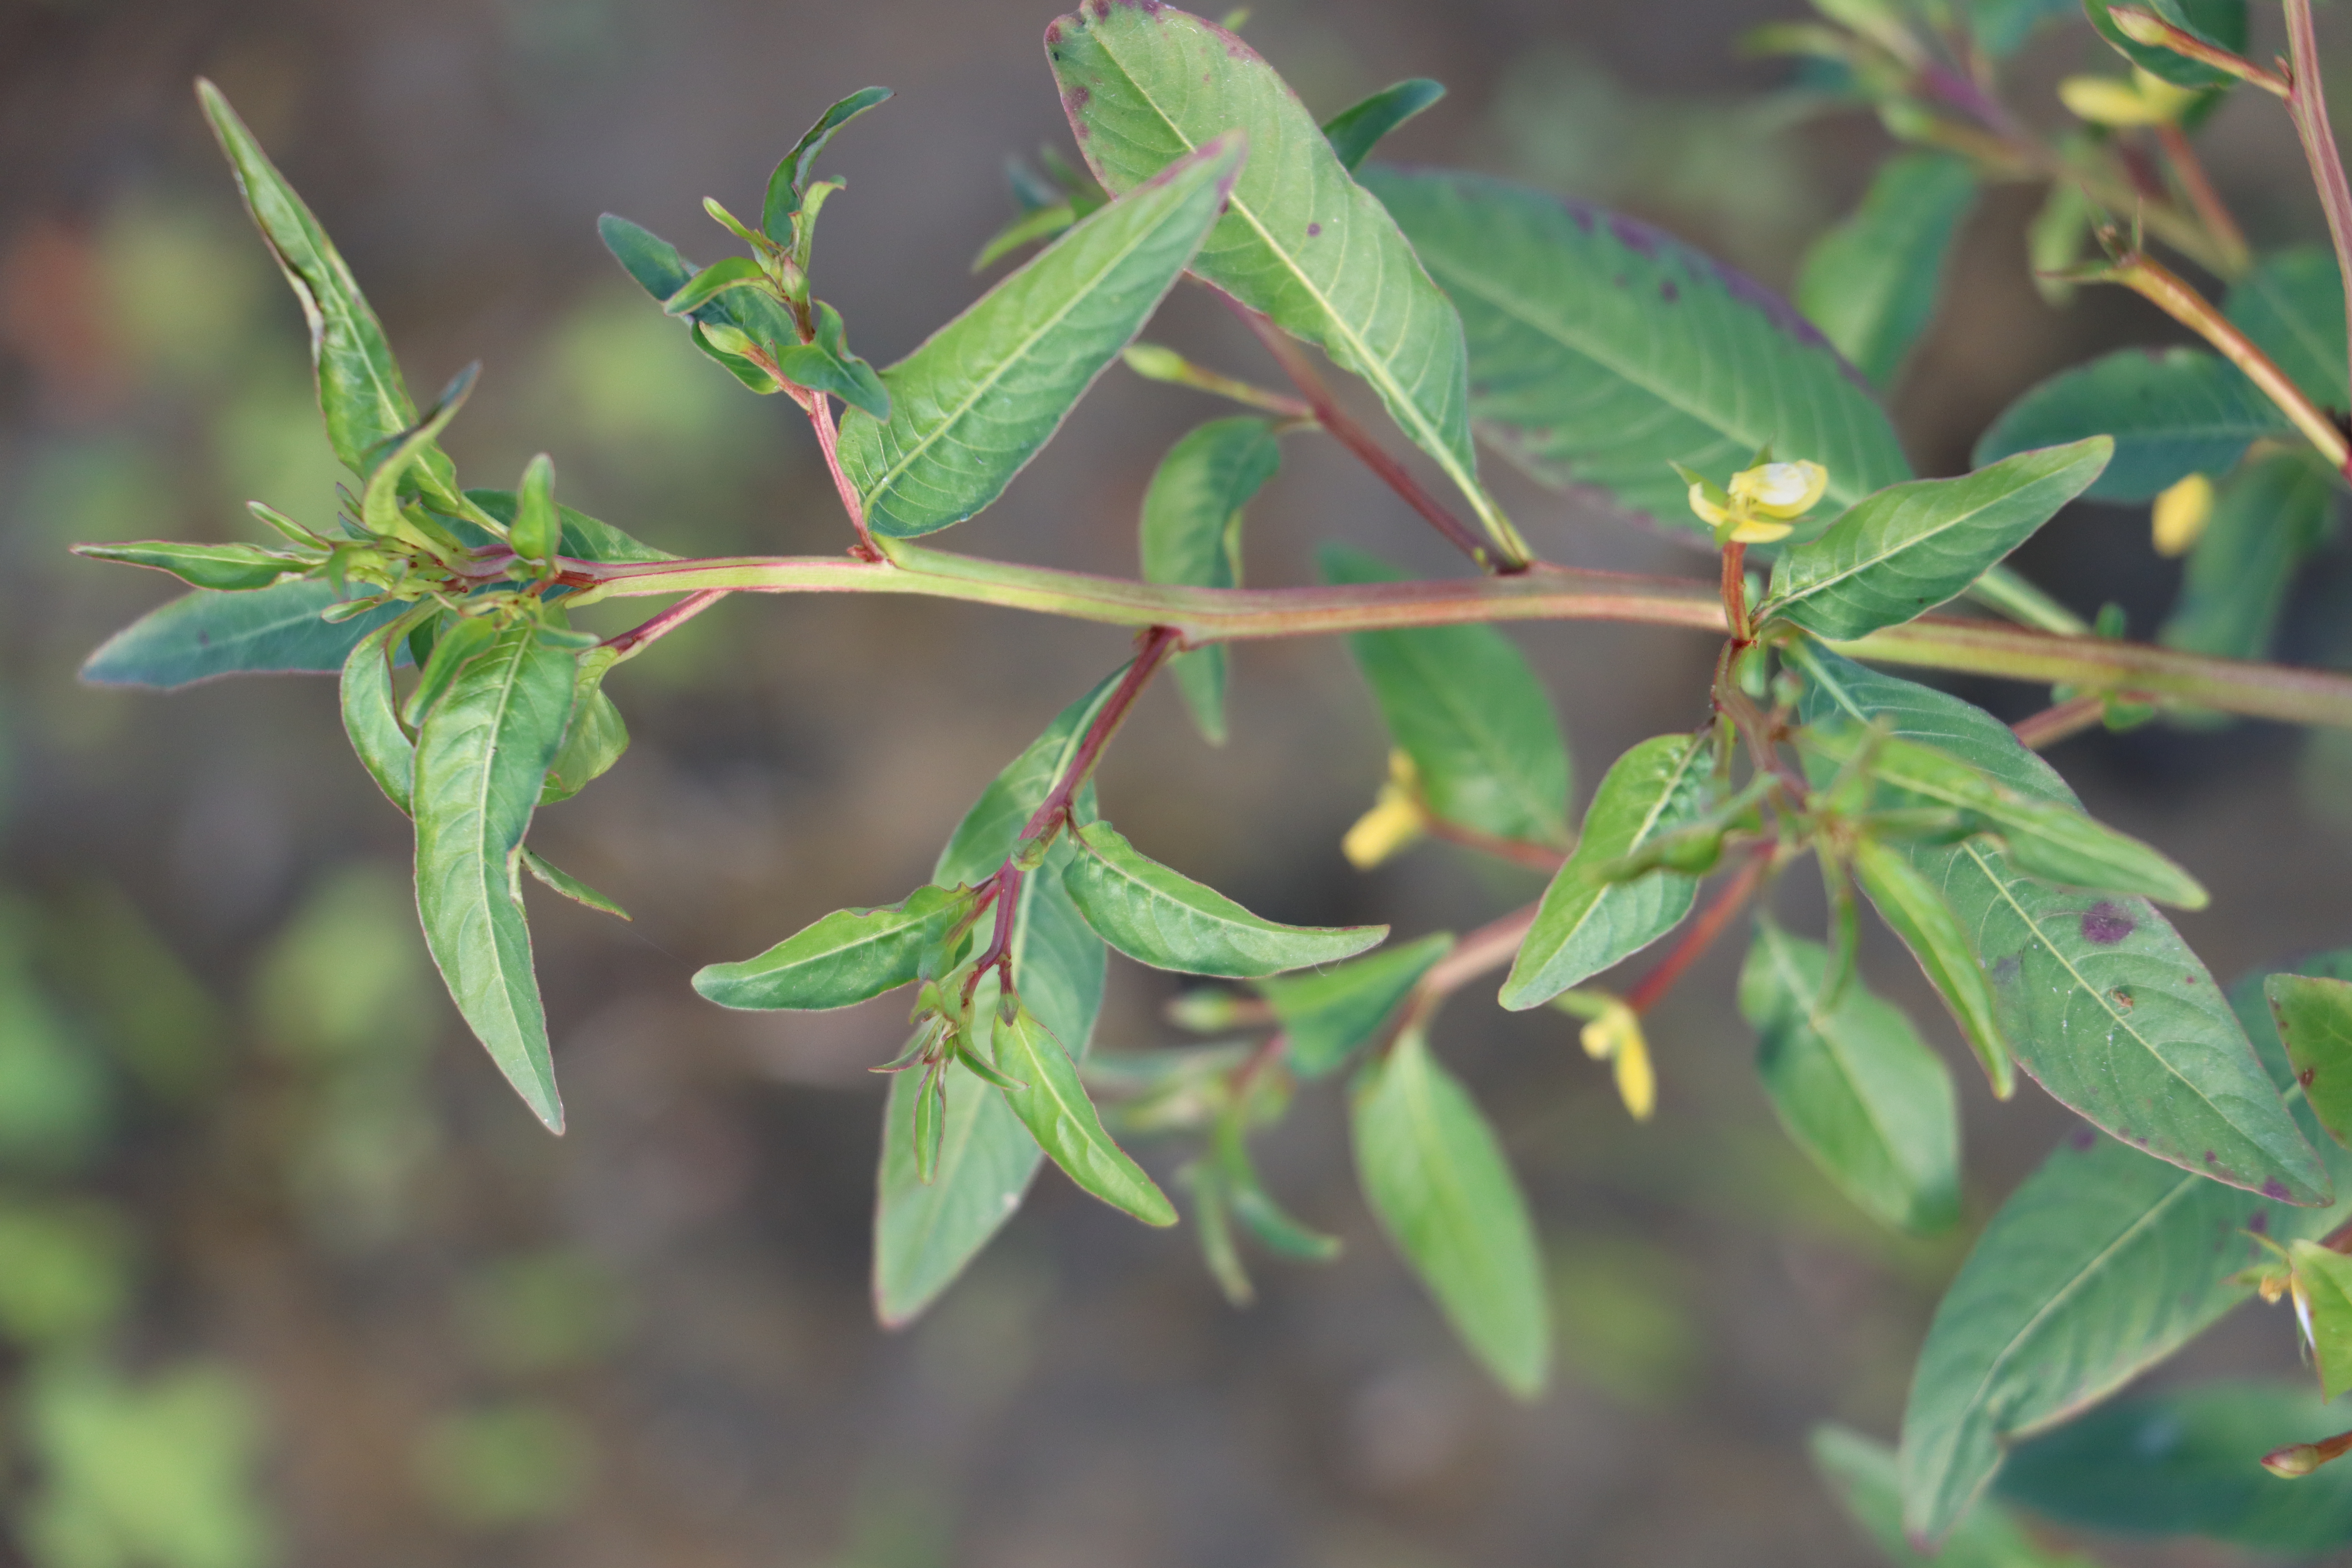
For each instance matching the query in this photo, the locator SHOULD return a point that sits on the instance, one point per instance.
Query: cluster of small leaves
(1591, 350)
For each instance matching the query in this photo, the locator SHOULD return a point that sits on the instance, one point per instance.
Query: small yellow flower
(1396, 819)
(1614, 1035)
(2182, 513)
(2146, 100)
(1761, 503)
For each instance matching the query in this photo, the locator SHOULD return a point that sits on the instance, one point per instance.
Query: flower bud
(2180, 514)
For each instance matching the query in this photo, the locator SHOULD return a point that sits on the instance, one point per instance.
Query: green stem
(1204, 615)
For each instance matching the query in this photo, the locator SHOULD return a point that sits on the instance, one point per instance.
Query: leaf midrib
(508, 686)
(1815, 1021)
(1426, 435)
(1782, 602)
(1027, 345)
(1641, 835)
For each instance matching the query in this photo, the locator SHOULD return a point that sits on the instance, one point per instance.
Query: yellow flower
(2146, 100)
(1614, 1035)
(1395, 820)
(2182, 513)
(1781, 491)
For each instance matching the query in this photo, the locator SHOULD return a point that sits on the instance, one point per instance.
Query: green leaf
(661, 271)
(789, 183)
(1037, 223)
(360, 388)
(1326, 1015)
(585, 538)
(372, 721)
(2315, 1021)
(2221, 22)
(553, 875)
(1056, 1110)
(204, 634)
(2102, 1264)
(1585, 924)
(390, 461)
(1355, 131)
(594, 739)
(2171, 413)
(1916, 912)
(1191, 535)
(1862, 1474)
(461, 640)
(1904, 550)
(1462, 704)
(924, 1233)
(2002, 26)
(537, 532)
(827, 365)
(2098, 997)
(719, 277)
(1870, 283)
(2292, 306)
(1163, 918)
(225, 568)
(844, 959)
(2268, 517)
(2042, 837)
(481, 756)
(1434, 1175)
(971, 405)
(1300, 241)
(1603, 351)
(1853, 1085)
(2181, 1463)
(2323, 1287)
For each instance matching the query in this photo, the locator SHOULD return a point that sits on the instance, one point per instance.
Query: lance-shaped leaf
(360, 388)
(1355, 131)
(2323, 1303)
(2314, 1020)
(204, 634)
(585, 538)
(1918, 912)
(372, 721)
(2181, 1463)
(1603, 351)
(460, 642)
(1906, 549)
(1300, 241)
(2102, 1264)
(1853, 1085)
(481, 756)
(1054, 1108)
(225, 568)
(1435, 1175)
(1585, 923)
(926, 1232)
(1326, 1015)
(1191, 535)
(2170, 412)
(1461, 702)
(2292, 306)
(973, 403)
(596, 736)
(1163, 918)
(827, 365)
(842, 958)
(2097, 996)
(1870, 283)
(661, 271)
(2269, 516)
(2042, 837)
(550, 875)
(789, 184)
(2221, 22)
(1862, 1475)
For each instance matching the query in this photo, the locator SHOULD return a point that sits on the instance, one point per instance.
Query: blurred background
(287, 1275)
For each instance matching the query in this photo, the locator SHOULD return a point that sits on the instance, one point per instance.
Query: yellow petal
(1708, 512)
(1637, 1086)
(2182, 513)
(1395, 820)
(2104, 100)
(1755, 530)
(1787, 490)
(2164, 99)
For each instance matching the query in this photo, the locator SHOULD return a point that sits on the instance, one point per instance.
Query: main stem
(2307, 104)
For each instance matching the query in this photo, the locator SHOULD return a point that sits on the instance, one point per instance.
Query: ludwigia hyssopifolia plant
(1590, 350)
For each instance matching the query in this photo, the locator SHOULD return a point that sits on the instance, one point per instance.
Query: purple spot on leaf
(2082, 1139)
(2209, 1156)
(2260, 1224)
(2107, 924)
(1313, 229)
(2275, 1188)
(1076, 99)
(1667, 291)
(1053, 32)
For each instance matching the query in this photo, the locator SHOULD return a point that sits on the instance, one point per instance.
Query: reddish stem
(1702, 935)
(1005, 888)
(1159, 643)
(1734, 590)
(668, 621)
(2306, 105)
(828, 439)
(1357, 439)
(2053, 725)
(1519, 851)
(2203, 198)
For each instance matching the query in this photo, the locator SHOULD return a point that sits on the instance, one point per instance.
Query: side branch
(1203, 615)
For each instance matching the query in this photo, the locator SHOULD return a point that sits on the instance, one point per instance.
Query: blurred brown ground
(664, 1314)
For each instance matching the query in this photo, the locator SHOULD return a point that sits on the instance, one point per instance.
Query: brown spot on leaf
(2123, 997)
(2107, 923)
(1314, 229)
